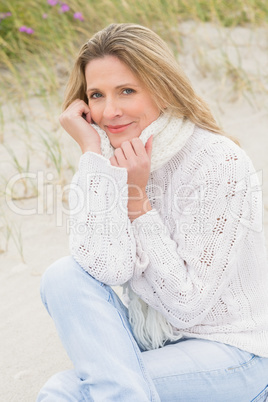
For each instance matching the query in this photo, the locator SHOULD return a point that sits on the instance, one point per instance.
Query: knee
(61, 386)
(59, 277)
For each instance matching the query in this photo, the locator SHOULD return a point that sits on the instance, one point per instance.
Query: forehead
(108, 68)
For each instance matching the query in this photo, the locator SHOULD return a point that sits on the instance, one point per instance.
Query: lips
(118, 128)
(122, 125)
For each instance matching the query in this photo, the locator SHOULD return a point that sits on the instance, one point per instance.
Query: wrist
(91, 148)
(136, 193)
(138, 206)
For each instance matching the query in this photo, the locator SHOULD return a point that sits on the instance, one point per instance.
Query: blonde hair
(150, 59)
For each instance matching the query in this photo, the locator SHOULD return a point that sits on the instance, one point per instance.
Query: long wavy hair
(151, 60)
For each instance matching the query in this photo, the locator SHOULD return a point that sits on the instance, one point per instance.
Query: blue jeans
(93, 325)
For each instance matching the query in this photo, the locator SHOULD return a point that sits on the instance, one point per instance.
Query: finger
(113, 161)
(139, 148)
(84, 108)
(73, 106)
(128, 149)
(149, 147)
(120, 157)
(78, 107)
(88, 117)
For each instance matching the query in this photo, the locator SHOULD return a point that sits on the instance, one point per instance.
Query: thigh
(201, 370)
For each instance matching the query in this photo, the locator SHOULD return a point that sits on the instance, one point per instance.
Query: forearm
(101, 238)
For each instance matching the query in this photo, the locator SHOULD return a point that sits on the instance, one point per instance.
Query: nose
(112, 109)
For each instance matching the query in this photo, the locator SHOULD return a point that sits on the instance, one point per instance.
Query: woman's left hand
(136, 158)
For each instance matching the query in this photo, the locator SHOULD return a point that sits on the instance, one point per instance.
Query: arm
(101, 238)
(182, 275)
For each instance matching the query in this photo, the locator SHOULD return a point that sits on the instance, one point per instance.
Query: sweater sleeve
(182, 273)
(101, 237)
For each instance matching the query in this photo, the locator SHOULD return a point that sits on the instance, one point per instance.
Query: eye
(95, 95)
(128, 91)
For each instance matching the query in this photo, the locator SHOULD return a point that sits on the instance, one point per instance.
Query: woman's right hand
(80, 128)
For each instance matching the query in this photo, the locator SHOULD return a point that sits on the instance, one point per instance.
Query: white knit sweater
(198, 257)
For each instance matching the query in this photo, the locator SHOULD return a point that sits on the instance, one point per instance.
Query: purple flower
(64, 7)
(78, 16)
(52, 2)
(44, 15)
(5, 15)
(28, 30)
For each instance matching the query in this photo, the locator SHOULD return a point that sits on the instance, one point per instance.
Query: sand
(227, 67)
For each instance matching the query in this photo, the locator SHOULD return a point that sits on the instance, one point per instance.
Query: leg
(93, 326)
(61, 387)
(196, 370)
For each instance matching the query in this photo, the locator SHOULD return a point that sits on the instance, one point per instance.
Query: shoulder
(204, 143)
(207, 159)
(208, 153)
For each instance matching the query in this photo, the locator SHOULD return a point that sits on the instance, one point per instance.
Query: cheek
(95, 113)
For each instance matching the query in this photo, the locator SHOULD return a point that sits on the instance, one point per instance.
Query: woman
(165, 205)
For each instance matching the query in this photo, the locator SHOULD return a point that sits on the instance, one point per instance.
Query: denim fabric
(93, 325)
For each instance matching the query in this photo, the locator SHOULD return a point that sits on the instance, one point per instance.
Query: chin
(116, 142)
(118, 139)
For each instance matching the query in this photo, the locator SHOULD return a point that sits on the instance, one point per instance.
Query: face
(119, 102)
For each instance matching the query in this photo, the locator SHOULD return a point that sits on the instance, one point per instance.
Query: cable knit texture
(197, 260)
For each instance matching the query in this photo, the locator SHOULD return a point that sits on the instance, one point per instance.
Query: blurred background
(223, 48)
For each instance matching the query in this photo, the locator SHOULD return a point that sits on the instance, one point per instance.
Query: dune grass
(55, 29)
(30, 59)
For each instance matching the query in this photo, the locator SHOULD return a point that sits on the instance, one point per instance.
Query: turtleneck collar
(169, 136)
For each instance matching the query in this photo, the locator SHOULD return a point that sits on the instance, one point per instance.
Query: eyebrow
(127, 85)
